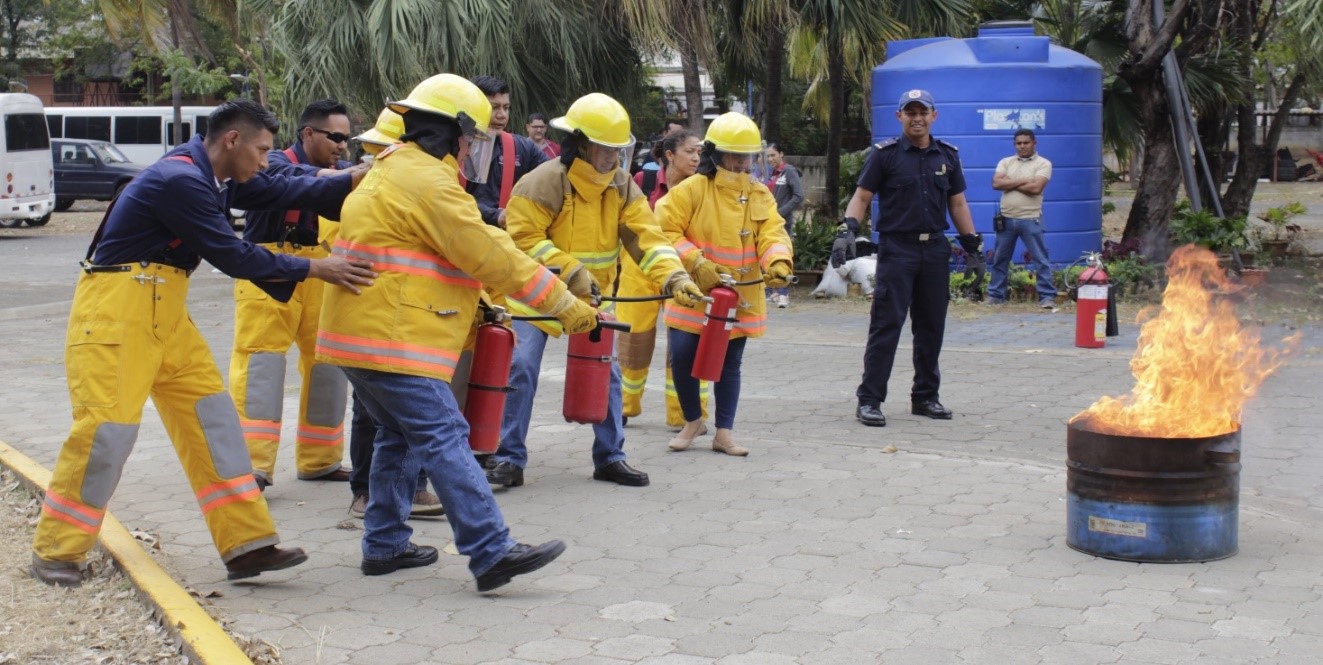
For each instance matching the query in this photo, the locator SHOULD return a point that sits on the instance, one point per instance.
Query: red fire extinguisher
(1091, 306)
(715, 336)
(489, 381)
(588, 372)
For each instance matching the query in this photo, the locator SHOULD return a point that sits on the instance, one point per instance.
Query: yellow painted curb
(202, 638)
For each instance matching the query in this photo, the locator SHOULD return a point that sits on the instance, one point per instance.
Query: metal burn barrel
(1151, 499)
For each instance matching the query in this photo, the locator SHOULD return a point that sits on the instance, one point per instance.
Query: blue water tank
(987, 87)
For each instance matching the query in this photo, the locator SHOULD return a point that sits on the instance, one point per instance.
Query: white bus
(143, 133)
(28, 190)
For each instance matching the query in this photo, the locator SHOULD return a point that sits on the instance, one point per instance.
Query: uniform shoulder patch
(884, 143)
(949, 145)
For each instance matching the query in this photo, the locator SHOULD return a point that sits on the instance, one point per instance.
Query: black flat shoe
(415, 556)
(521, 559)
(505, 474)
(263, 560)
(621, 473)
(931, 408)
(870, 415)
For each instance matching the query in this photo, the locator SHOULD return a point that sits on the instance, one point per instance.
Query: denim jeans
(362, 433)
(683, 347)
(1029, 231)
(419, 424)
(608, 435)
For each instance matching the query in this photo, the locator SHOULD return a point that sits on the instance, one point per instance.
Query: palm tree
(366, 52)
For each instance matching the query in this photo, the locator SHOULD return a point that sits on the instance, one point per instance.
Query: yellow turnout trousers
(129, 338)
(635, 348)
(264, 330)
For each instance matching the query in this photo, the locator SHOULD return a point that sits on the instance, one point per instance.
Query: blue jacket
(488, 194)
(173, 200)
(268, 225)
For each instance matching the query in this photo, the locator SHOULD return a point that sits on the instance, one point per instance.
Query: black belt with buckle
(914, 235)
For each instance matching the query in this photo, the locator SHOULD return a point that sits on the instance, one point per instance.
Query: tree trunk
(1254, 157)
(835, 120)
(176, 96)
(1160, 175)
(773, 90)
(1213, 127)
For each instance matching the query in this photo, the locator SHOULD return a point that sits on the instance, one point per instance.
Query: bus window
(55, 123)
(97, 128)
(170, 133)
(202, 125)
(138, 130)
(26, 131)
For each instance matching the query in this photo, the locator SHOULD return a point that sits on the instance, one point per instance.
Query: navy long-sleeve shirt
(268, 225)
(173, 199)
(488, 194)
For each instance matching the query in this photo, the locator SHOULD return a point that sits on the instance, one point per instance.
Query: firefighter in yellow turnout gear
(130, 338)
(265, 328)
(577, 213)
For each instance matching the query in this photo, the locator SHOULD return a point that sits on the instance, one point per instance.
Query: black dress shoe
(262, 483)
(871, 415)
(505, 474)
(521, 559)
(263, 560)
(931, 408)
(57, 573)
(621, 473)
(485, 460)
(414, 556)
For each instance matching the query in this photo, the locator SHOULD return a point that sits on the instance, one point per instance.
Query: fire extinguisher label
(1100, 324)
(1093, 292)
(1117, 527)
(730, 325)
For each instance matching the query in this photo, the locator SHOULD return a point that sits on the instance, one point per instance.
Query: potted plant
(1283, 232)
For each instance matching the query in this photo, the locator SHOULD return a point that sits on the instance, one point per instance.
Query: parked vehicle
(89, 170)
(28, 191)
(143, 133)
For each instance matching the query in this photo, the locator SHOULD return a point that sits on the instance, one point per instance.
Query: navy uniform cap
(921, 96)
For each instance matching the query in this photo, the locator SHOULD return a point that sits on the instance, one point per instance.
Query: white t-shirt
(1016, 203)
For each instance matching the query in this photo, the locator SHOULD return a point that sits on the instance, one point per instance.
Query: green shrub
(1206, 229)
(813, 240)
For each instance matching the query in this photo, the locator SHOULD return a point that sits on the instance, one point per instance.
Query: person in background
(918, 178)
(724, 223)
(130, 337)
(513, 156)
(265, 328)
(1021, 179)
(784, 182)
(536, 130)
(652, 158)
(362, 428)
(400, 340)
(679, 160)
(578, 214)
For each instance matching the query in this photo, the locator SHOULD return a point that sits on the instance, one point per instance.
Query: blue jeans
(1030, 231)
(683, 347)
(362, 433)
(530, 343)
(419, 424)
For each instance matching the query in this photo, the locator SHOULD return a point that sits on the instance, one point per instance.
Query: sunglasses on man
(335, 137)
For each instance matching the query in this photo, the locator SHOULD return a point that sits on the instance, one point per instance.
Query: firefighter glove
(687, 293)
(575, 315)
(580, 281)
(707, 274)
(849, 224)
(972, 243)
(778, 274)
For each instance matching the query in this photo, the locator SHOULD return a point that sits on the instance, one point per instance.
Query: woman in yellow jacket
(400, 340)
(578, 213)
(724, 224)
(679, 160)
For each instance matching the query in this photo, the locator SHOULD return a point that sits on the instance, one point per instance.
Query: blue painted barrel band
(1151, 533)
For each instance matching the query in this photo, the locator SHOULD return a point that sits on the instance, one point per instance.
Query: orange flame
(1195, 366)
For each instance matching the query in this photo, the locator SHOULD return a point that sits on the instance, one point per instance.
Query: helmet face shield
(478, 162)
(627, 155)
(755, 164)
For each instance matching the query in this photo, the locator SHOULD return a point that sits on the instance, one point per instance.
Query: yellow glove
(574, 315)
(687, 294)
(580, 281)
(708, 274)
(778, 275)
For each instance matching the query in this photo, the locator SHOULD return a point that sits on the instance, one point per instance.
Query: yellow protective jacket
(732, 220)
(425, 238)
(571, 216)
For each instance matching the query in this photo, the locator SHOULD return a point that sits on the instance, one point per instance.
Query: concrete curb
(203, 640)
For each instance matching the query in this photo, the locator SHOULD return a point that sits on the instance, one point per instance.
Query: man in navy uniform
(512, 155)
(919, 179)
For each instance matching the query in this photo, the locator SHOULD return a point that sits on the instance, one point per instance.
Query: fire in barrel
(1155, 475)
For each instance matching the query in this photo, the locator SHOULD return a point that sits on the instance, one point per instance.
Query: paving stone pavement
(820, 547)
